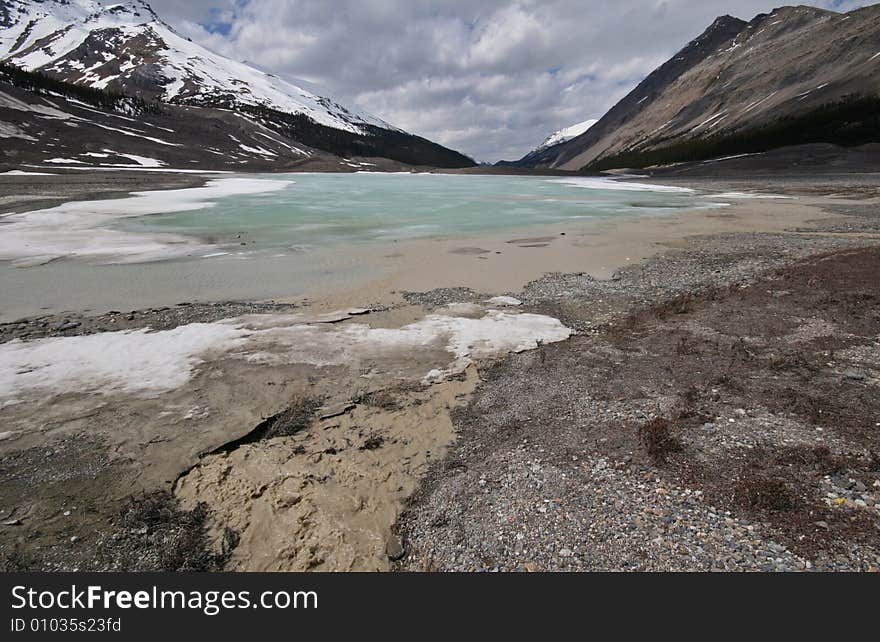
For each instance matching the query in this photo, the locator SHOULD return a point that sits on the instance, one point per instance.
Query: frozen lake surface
(278, 235)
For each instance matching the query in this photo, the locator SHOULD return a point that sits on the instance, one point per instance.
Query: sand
(597, 248)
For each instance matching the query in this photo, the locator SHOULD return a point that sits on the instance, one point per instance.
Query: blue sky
(491, 78)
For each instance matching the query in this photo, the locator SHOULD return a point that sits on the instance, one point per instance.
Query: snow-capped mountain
(556, 138)
(565, 134)
(125, 46)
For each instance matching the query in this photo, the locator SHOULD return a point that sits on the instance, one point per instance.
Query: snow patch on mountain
(566, 134)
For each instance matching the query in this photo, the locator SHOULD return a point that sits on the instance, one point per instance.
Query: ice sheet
(80, 229)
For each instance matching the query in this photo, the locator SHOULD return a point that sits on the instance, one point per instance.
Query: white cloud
(491, 78)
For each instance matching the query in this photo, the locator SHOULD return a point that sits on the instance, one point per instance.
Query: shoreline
(389, 424)
(696, 423)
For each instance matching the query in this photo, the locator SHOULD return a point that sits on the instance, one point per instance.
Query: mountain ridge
(735, 78)
(117, 47)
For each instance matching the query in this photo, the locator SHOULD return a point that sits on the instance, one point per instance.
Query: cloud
(491, 78)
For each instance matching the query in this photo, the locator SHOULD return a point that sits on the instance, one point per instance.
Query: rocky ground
(163, 318)
(717, 411)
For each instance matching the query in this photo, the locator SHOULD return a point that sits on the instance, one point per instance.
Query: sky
(489, 78)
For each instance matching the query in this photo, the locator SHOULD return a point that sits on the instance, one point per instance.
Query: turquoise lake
(318, 210)
(320, 233)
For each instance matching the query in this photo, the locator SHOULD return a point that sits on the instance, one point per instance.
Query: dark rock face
(736, 77)
(97, 122)
(375, 142)
(146, 81)
(5, 15)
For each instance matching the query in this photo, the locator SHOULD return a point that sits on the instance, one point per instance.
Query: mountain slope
(125, 47)
(787, 77)
(51, 123)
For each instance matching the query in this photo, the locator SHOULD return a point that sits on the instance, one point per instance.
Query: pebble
(394, 548)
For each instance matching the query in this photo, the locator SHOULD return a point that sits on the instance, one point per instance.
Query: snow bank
(128, 361)
(143, 161)
(491, 334)
(8, 130)
(566, 134)
(504, 300)
(148, 363)
(611, 184)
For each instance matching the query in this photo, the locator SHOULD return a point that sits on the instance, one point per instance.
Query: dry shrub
(657, 438)
(156, 534)
(381, 399)
(764, 493)
(297, 417)
(820, 458)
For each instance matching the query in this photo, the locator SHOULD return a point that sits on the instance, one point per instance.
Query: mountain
(797, 75)
(47, 122)
(556, 138)
(127, 48)
(566, 134)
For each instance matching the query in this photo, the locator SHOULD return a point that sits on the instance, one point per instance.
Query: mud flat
(709, 404)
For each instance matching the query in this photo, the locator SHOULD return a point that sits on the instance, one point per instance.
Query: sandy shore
(262, 463)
